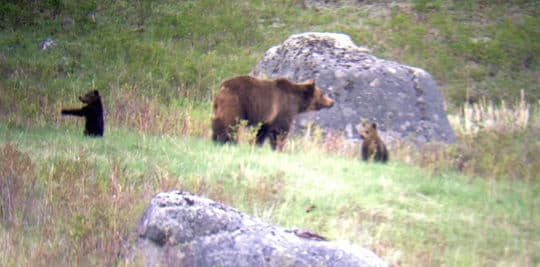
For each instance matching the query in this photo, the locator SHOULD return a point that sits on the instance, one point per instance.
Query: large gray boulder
(404, 101)
(182, 229)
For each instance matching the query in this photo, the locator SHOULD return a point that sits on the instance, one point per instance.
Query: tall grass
(65, 214)
(485, 116)
(18, 186)
(499, 141)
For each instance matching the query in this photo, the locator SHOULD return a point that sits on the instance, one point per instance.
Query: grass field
(78, 197)
(70, 200)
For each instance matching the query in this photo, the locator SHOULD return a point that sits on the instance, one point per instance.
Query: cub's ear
(96, 92)
(374, 126)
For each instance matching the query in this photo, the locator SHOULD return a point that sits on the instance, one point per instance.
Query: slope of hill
(65, 198)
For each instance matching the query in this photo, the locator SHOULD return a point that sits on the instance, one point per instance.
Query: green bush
(427, 5)
(205, 24)
(18, 191)
(17, 14)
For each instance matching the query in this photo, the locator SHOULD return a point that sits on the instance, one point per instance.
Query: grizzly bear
(92, 111)
(270, 105)
(372, 146)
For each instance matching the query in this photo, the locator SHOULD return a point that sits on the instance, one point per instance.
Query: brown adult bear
(268, 104)
(92, 111)
(372, 146)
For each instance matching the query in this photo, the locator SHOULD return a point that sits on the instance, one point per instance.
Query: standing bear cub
(372, 146)
(92, 111)
(268, 104)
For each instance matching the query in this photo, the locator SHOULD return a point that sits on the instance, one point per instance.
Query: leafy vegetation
(65, 198)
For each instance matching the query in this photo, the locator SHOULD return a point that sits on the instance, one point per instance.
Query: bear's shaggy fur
(268, 104)
(372, 146)
(92, 111)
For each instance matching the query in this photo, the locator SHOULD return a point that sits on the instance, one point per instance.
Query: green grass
(173, 49)
(409, 217)
(70, 199)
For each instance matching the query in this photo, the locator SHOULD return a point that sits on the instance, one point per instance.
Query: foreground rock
(404, 101)
(182, 229)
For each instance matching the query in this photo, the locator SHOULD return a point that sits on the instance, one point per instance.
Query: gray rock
(182, 229)
(404, 101)
(46, 44)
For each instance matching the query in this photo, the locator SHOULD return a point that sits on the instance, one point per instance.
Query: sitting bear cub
(372, 146)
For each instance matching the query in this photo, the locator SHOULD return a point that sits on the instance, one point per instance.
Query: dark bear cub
(372, 146)
(92, 112)
(270, 104)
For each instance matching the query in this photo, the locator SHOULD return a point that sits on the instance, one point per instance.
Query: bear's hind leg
(220, 131)
(381, 154)
(384, 154)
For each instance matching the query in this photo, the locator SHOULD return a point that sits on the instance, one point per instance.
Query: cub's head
(90, 97)
(318, 100)
(367, 131)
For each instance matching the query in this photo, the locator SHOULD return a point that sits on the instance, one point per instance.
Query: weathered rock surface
(404, 101)
(182, 229)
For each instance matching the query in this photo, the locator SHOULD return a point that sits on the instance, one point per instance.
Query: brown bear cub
(268, 104)
(372, 146)
(92, 111)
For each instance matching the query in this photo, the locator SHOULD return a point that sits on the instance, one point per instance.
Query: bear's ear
(309, 88)
(310, 84)
(374, 126)
(95, 93)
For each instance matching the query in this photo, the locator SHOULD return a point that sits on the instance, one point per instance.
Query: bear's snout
(328, 102)
(331, 104)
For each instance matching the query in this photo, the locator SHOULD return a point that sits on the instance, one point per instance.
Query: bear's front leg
(74, 112)
(365, 152)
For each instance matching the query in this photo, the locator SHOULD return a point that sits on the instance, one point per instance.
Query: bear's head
(318, 100)
(367, 131)
(90, 97)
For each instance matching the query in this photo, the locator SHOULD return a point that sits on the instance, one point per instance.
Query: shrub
(17, 186)
(426, 5)
(498, 141)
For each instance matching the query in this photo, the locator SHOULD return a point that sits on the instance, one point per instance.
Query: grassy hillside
(72, 199)
(65, 198)
(474, 49)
